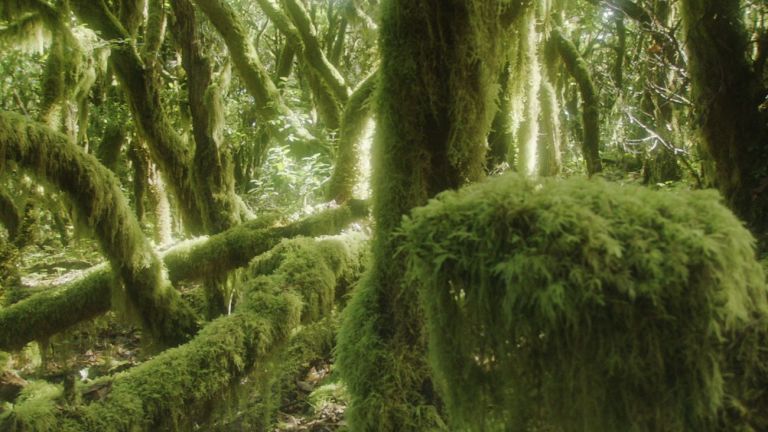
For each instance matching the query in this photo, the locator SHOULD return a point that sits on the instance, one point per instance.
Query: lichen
(584, 305)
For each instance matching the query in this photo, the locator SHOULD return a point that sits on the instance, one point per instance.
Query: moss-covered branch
(590, 104)
(234, 248)
(270, 106)
(160, 393)
(327, 85)
(356, 114)
(313, 53)
(95, 193)
(51, 312)
(45, 314)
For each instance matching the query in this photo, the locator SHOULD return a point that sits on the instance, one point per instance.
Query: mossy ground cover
(175, 389)
(587, 306)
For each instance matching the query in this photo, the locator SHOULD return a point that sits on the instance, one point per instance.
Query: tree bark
(728, 94)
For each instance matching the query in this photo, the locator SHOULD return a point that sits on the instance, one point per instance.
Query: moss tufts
(170, 391)
(34, 410)
(581, 304)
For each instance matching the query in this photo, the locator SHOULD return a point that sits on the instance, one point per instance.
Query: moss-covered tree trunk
(590, 104)
(95, 193)
(728, 94)
(435, 103)
(139, 81)
(212, 175)
(356, 114)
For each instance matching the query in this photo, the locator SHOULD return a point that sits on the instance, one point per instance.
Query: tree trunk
(728, 94)
(590, 104)
(212, 175)
(356, 115)
(436, 101)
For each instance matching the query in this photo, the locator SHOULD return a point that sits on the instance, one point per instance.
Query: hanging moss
(583, 305)
(274, 381)
(501, 143)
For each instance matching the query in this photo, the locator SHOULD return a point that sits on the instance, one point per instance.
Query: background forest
(383, 215)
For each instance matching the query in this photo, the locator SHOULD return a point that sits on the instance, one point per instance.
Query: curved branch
(95, 193)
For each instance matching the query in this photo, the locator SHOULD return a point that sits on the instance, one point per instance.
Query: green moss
(34, 410)
(435, 101)
(356, 113)
(96, 195)
(52, 311)
(584, 305)
(172, 390)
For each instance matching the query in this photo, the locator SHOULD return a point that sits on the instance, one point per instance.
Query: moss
(435, 101)
(590, 103)
(52, 311)
(45, 314)
(583, 305)
(34, 410)
(274, 381)
(95, 193)
(235, 247)
(354, 118)
(162, 393)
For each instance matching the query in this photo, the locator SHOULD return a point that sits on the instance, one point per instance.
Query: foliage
(288, 184)
(583, 305)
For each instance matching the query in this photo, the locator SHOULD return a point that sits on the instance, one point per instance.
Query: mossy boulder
(581, 305)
